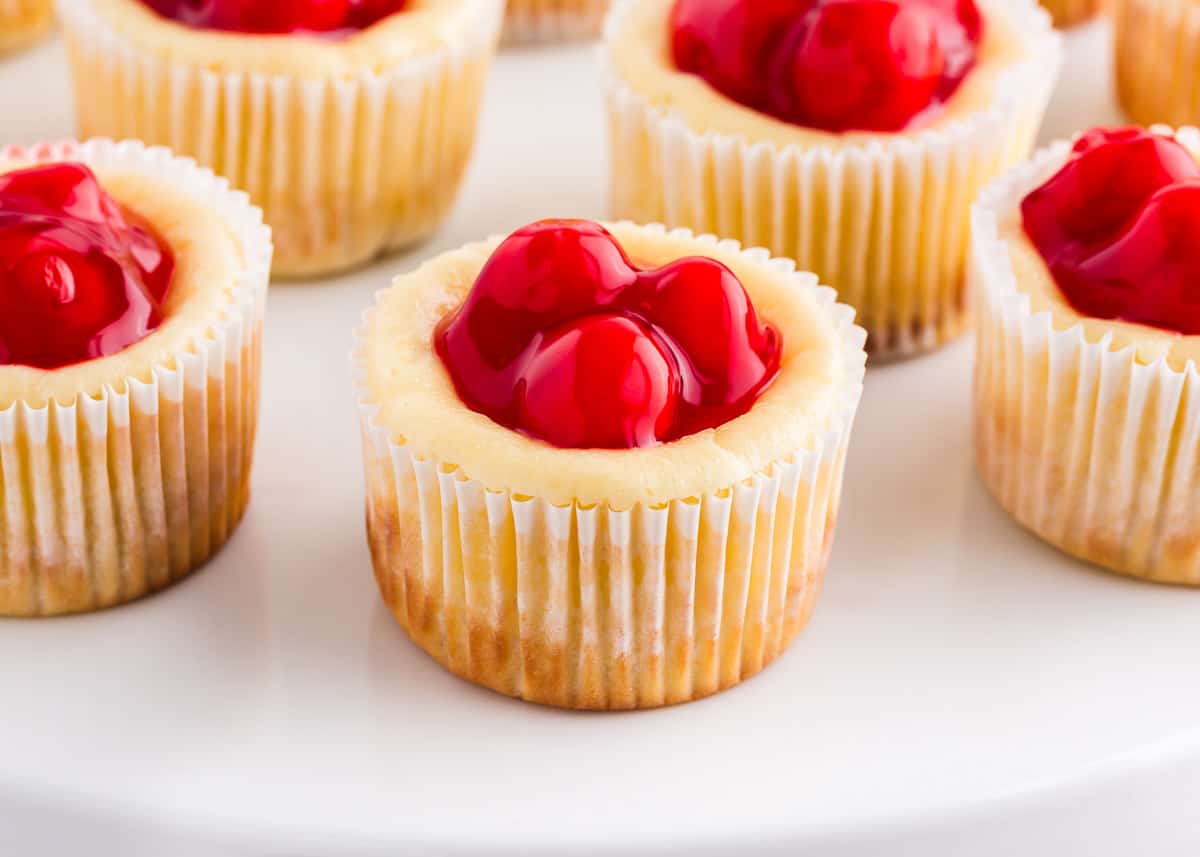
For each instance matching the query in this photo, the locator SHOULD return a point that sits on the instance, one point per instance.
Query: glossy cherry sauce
(564, 339)
(80, 277)
(1119, 229)
(836, 65)
(278, 16)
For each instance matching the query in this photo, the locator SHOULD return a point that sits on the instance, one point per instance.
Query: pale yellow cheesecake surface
(208, 260)
(420, 407)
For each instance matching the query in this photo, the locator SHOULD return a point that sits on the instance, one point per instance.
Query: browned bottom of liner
(563, 678)
(895, 344)
(63, 591)
(1099, 547)
(322, 265)
(547, 670)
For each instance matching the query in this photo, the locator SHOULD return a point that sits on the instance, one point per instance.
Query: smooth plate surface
(963, 690)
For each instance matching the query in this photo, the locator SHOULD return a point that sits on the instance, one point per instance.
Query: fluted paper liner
(593, 607)
(23, 21)
(884, 222)
(343, 169)
(1084, 444)
(530, 21)
(110, 497)
(1158, 60)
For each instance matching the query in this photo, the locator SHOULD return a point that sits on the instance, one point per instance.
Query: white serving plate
(963, 690)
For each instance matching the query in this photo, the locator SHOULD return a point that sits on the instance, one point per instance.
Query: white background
(963, 690)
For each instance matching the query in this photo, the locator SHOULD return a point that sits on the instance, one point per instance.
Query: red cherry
(563, 338)
(962, 12)
(1150, 273)
(539, 277)
(1112, 173)
(79, 279)
(270, 16)
(1117, 226)
(313, 15)
(63, 188)
(364, 13)
(839, 65)
(601, 382)
(728, 42)
(863, 64)
(703, 308)
(69, 297)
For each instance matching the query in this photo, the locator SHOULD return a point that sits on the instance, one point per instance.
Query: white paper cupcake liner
(344, 169)
(592, 607)
(535, 21)
(111, 497)
(23, 21)
(1158, 60)
(885, 222)
(1084, 444)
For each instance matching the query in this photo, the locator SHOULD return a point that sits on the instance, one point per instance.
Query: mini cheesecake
(1087, 394)
(850, 135)
(350, 123)
(131, 295)
(604, 463)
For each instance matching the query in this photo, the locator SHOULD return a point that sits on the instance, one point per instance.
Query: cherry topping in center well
(564, 339)
(274, 16)
(80, 277)
(1119, 229)
(837, 65)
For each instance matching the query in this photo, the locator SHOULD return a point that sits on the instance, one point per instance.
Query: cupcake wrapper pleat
(533, 21)
(23, 21)
(111, 497)
(591, 607)
(1090, 448)
(885, 223)
(1158, 60)
(344, 169)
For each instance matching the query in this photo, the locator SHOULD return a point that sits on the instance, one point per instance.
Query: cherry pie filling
(80, 276)
(835, 65)
(328, 17)
(564, 339)
(1119, 228)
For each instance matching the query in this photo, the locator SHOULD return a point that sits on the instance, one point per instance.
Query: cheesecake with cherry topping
(350, 122)
(131, 294)
(604, 462)
(850, 135)
(1087, 261)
